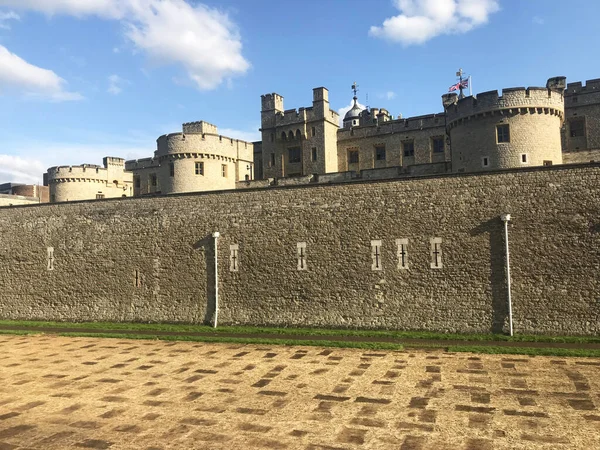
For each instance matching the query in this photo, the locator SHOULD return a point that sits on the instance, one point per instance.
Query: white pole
(506, 218)
(216, 236)
(470, 86)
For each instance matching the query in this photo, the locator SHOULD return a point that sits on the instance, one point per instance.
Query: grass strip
(243, 340)
(530, 351)
(181, 328)
(19, 332)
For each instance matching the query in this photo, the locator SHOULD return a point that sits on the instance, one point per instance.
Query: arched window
(291, 136)
(298, 134)
(283, 136)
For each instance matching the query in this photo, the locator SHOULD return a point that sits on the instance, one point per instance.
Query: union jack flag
(455, 87)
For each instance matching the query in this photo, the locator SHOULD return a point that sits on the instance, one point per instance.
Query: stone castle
(522, 127)
(380, 223)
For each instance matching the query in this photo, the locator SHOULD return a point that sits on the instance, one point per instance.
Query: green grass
(241, 340)
(389, 334)
(19, 332)
(531, 351)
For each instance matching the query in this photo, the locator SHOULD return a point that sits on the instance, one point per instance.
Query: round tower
(519, 128)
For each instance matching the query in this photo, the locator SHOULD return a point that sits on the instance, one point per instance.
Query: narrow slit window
(485, 161)
(137, 278)
(234, 258)
(50, 258)
(171, 169)
(301, 254)
(402, 245)
(376, 255)
(436, 253)
(314, 153)
(224, 170)
(524, 159)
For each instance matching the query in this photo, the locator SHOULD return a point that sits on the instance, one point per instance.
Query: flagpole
(470, 86)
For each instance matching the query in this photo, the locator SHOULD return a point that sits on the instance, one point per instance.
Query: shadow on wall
(495, 229)
(207, 244)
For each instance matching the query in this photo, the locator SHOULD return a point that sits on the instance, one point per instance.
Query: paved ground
(60, 393)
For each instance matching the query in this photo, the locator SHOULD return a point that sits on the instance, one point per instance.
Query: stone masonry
(151, 259)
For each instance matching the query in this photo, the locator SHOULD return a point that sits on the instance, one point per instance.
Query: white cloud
(20, 170)
(34, 81)
(115, 84)
(422, 20)
(5, 17)
(248, 136)
(538, 20)
(390, 95)
(201, 39)
(342, 111)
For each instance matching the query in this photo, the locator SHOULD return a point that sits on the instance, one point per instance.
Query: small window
(380, 153)
(272, 162)
(199, 168)
(577, 128)
(99, 196)
(313, 131)
(295, 156)
(409, 148)
(136, 181)
(171, 169)
(352, 156)
(153, 181)
(272, 137)
(574, 99)
(438, 144)
(524, 158)
(224, 170)
(485, 161)
(314, 153)
(547, 163)
(503, 133)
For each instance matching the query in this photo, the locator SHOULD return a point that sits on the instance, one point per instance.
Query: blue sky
(83, 79)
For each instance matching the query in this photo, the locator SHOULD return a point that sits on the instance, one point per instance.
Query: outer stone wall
(151, 259)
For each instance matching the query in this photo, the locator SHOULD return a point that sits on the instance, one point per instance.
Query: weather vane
(355, 88)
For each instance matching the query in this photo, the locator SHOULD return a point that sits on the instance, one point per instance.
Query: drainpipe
(216, 235)
(506, 218)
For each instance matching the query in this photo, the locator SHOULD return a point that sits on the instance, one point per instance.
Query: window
(295, 156)
(577, 128)
(574, 99)
(437, 144)
(301, 255)
(409, 148)
(272, 137)
(376, 255)
(313, 131)
(402, 245)
(314, 153)
(436, 252)
(136, 181)
(352, 156)
(224, 170)
(99, 196)
(503, 133)
(272, 162)
(380, 153)
(547, 163)
(199, 168)
(171, 169)
(153, 180)
(485, 161)
(523, 158)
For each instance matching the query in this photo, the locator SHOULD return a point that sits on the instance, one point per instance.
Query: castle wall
(581, 156)
(533, 116)
(150, 259)
(392, 135)
(12, 199)
(582, 102)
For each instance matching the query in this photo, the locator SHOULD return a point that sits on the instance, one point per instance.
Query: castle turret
(519, 128)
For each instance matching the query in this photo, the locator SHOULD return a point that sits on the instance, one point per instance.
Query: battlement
(291, 116)
(579, 88)
(82, 172)
(143, 163)
(113, 161)
(415, 123)
(271, 102)
(199, 127)
(510, 98)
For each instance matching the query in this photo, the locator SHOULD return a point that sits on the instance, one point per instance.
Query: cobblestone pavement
(61, 393)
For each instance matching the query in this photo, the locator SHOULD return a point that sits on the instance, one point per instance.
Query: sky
(84, 79)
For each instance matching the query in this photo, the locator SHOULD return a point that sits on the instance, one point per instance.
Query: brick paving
(89, 393)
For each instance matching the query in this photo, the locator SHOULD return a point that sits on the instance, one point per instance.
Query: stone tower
(298, 142)
(519, 128)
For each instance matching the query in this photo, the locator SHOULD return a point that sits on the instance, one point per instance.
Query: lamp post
(216, 235)
(506, 218)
